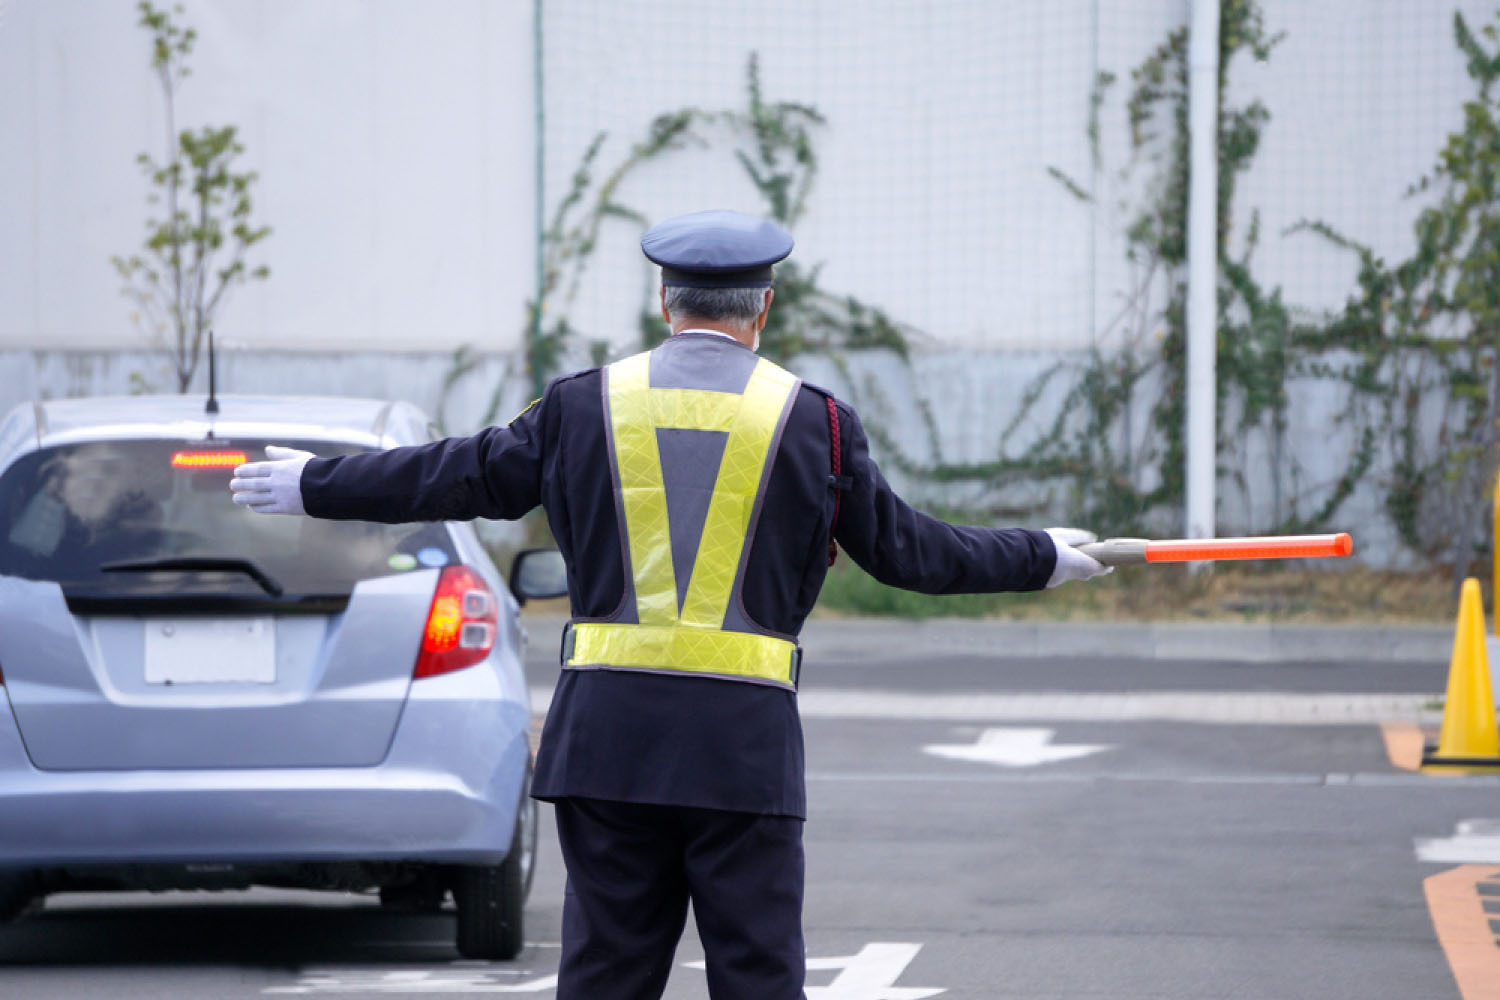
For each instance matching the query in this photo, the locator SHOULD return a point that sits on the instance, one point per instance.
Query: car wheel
(490, 903)
(489, 912)
(19, 891)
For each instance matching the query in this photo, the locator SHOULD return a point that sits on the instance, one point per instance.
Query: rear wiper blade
(193, 564)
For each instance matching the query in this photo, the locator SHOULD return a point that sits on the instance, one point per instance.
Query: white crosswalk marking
(869, 975)
(455, 980)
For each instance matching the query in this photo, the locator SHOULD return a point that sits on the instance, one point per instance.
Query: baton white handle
(1116, 551)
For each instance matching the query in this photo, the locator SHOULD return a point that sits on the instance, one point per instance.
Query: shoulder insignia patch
(529, 407)
(555, 382)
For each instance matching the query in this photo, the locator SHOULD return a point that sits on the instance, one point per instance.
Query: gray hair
(741, 304)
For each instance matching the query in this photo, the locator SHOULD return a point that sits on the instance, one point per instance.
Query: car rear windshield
(104, 518)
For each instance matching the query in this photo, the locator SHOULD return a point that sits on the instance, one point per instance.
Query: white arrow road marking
(1474, 842)
(869, 975)
(468, 980)
(1015, 747)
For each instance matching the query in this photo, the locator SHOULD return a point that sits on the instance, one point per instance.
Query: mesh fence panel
(1361, 97)
(937, 197)
(934, 198)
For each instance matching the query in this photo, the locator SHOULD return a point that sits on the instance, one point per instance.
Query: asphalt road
(1168, 859)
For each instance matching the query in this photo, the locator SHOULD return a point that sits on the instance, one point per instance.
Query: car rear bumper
(447, 792)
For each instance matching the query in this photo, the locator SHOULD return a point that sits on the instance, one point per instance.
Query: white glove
(273, 487)
(1072, 564)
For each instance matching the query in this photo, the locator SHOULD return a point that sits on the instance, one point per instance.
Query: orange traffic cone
(1469, 739)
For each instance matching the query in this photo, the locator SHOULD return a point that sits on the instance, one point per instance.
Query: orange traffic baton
(1131, 551)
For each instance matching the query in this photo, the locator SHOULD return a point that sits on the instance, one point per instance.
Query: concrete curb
(882, 638)
(1256, 643)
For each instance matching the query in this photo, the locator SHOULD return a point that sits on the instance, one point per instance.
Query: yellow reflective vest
(697, 626)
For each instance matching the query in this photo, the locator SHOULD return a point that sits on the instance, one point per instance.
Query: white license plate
(210, 651)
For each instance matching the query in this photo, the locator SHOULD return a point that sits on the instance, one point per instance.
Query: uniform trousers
(632, 868)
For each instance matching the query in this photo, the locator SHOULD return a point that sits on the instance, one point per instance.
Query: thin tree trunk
(173, 221)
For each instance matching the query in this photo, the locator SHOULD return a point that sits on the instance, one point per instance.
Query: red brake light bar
(208, 459)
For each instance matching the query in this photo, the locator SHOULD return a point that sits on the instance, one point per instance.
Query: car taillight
(460, 624)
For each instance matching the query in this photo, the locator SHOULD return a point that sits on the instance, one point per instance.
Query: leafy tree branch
(198, 248)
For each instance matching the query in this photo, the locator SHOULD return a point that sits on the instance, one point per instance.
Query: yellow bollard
(1470, 740)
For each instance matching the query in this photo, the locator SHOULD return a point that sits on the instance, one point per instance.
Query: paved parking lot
(959, 848)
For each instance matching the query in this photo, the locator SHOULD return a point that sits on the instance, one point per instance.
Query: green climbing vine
(1112, 453)
(1416, 348)
(773, 143)
(1418, 341)
(1414, 352)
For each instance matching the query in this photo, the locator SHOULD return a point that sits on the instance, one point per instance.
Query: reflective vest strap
(694, 409)
(643, 494)
(683, 649)
(746, 457)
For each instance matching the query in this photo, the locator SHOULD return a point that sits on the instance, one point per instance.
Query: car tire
(19, 892)
(491, 898)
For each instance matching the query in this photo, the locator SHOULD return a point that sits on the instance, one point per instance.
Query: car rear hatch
(148, 622)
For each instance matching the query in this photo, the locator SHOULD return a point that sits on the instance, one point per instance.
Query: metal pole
(534, 335)
(1202, 304)
(1094, 206)
(1495, 558)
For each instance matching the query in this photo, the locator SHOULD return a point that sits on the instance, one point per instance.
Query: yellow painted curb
(1403, 744)
(1463, 928)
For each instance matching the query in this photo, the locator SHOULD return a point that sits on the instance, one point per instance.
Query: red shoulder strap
(838, 470)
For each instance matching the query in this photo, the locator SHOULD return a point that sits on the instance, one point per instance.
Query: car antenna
(212, 406)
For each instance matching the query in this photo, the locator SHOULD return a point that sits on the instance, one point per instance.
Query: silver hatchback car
(193, 696)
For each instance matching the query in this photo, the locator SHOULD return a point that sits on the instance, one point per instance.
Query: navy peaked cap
(716, 249)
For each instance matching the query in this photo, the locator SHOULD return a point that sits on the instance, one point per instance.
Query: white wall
(394, 140)
(934, 199)
(1362, 95)
(396, 146)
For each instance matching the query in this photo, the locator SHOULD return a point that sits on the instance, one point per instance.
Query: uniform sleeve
(902, 547)
(495, 474)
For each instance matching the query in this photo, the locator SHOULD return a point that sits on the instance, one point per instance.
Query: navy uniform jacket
(670, 739)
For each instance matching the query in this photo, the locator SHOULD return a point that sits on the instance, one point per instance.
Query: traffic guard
(695, 492)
